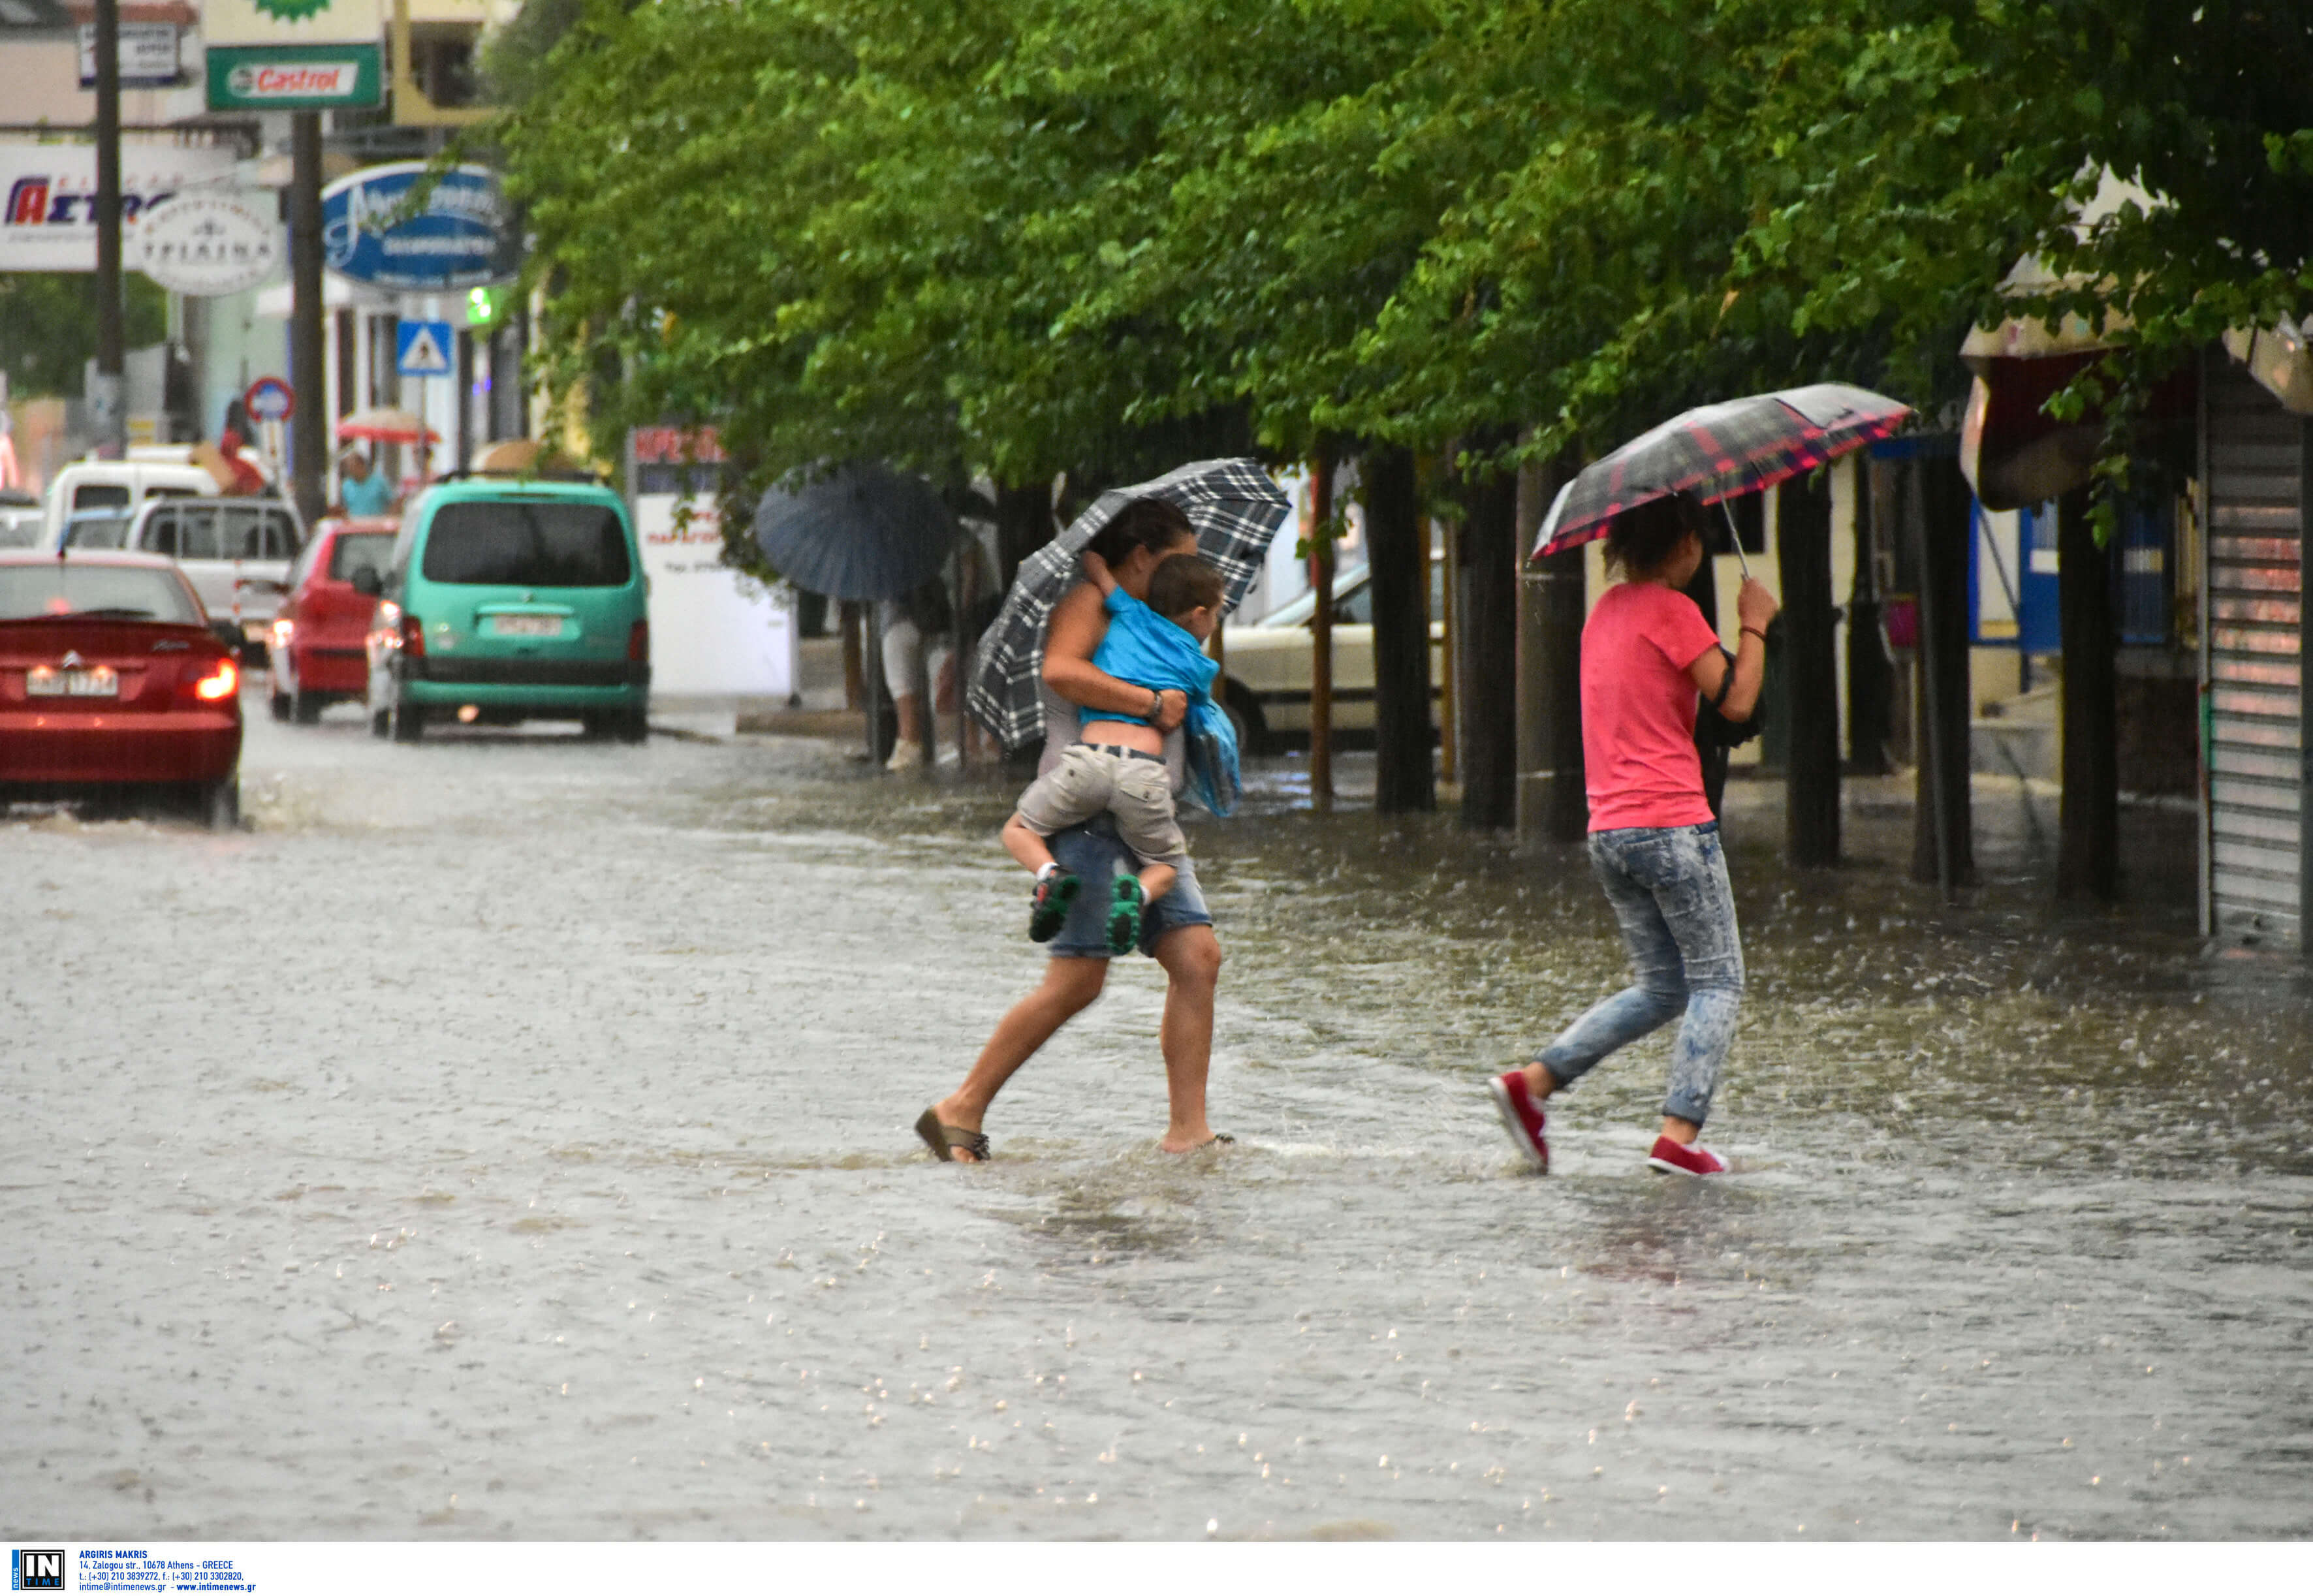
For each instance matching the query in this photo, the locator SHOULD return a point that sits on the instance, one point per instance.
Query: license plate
(527, 626)
(97, 681)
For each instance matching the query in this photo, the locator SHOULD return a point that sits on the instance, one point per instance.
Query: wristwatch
(1156, 703)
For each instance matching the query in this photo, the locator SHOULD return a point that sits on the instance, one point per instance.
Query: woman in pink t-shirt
(1647, 653)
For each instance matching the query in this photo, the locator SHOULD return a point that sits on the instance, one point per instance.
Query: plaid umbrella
(1236, 509)
(1719, 451)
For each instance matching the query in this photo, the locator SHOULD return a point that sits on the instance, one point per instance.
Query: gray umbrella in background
(862, 531)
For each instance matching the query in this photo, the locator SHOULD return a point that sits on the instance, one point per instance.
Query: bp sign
(409, 228)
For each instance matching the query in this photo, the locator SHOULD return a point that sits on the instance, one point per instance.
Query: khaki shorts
(1091, 780)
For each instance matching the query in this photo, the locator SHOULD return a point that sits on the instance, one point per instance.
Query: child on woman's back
(1119, 767)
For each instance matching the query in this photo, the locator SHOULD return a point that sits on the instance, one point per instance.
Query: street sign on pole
(422, 349)
(292, 55)
(269, 399)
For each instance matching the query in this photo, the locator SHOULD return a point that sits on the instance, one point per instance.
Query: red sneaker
(1521, 1117)
(1674, 1158)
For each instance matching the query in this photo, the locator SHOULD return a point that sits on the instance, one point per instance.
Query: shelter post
(1943, 836)
(2088, 824)
(1810, 671)
(1870, 673)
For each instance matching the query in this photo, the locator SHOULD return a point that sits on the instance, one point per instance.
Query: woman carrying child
(1175, 927)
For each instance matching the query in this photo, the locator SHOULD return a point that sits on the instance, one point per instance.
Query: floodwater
(508, 1137)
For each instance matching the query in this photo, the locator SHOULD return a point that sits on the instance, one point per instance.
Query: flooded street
(508, 1137)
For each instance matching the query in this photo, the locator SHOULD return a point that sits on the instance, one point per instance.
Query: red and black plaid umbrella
(1718, 452)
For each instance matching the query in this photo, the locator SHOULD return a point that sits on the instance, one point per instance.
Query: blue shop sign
(406, 227)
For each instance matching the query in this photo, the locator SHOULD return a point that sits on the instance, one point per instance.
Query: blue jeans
(1093, 853)
(1669, 890)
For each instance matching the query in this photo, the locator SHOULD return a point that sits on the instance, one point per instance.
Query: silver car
(236, 552)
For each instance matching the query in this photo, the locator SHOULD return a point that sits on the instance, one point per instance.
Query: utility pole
(107, 401)
(308, 431)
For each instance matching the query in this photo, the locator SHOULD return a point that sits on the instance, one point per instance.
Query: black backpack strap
(1726, 682)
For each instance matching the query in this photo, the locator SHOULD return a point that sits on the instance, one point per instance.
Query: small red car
(111, 680)
(317, 655)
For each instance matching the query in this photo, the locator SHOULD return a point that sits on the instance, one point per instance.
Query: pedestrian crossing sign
(423, 349)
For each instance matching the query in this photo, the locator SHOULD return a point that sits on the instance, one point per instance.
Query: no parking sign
(269, 399)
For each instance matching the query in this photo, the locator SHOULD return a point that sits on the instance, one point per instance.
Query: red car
(111, 680)
(317, 655)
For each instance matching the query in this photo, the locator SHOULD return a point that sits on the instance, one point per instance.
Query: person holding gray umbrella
(861, 530)
(1036, 673)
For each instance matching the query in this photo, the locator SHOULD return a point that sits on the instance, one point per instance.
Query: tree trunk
(2088, 826)
(1552, 805)
(1402, 779)
(1488, 642)
(1321, 630)
(1810, 673)
(1940, 505)
(1023, 524)
(1870, 673)
(1704, 591)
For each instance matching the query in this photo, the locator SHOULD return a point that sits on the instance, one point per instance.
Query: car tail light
(413, 637)
(222, 681)
(638, 644)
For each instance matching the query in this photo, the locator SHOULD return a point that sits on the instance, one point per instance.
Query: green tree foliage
(48, 327)
(1022, 236)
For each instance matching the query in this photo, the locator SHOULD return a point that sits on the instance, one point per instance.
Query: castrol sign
(255, 82)
(292, 55)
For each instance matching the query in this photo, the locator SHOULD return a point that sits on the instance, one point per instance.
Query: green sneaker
(1124, 904)
(1055, 895)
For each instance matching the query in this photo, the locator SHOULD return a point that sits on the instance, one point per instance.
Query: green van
(508, 598)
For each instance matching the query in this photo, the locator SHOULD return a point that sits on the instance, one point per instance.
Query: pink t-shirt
(1639, 767)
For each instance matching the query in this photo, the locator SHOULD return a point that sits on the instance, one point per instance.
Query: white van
(121, 485)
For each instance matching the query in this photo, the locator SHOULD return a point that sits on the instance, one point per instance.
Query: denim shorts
(1095, 855)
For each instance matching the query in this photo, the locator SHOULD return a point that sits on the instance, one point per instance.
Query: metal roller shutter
(2256, 467)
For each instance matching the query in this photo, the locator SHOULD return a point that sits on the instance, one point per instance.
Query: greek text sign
(210, 243)
(148, 55)
(404, 227)
(48, 197)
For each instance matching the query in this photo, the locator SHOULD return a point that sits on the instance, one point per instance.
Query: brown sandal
(944, 1138)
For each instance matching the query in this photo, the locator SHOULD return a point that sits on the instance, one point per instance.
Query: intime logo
(36, 1570)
